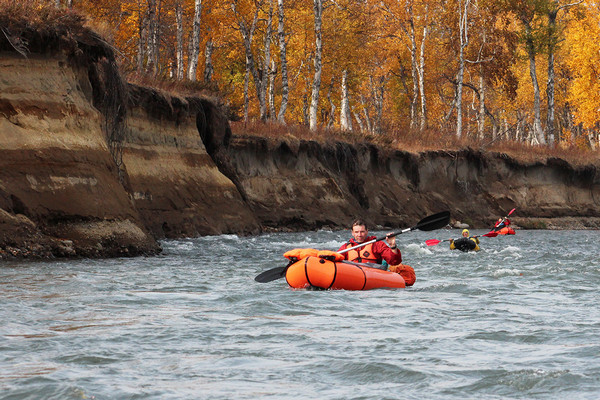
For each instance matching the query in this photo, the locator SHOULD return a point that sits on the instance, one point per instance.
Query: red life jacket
(362, 254)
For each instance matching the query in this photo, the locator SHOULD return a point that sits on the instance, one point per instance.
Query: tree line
(522, 70)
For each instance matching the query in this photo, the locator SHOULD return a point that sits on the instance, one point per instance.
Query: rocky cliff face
(90, 166)
(312, 186)
(176, 186)
(59, 187)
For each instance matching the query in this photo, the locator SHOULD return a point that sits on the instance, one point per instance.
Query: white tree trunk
(368, 126)
(316, 86)
(464, 41)
(195, 42)
(141, 42)
(377, 90)
(421, 71)
(266, 67)
(414, 66)
(550, 95)
(481, 114)
(345, 117)
(246, 84)
(152, 66)
(179, 51)
(272, 75)
(331, 118)
(358, 120)
(247, 35)
(283, 61)
(208, 65)
(537, 133)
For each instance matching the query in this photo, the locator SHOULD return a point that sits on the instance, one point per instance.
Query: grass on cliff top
(430, 140)
(36, 15)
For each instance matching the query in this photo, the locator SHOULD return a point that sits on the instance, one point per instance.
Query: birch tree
(552, 39)
(537, 132)
(194, 51)
(141, 33)
(421, 71)
(316, 85)
(409, 21)
(282, 61)
(247, 33)
(345, 115)
(208, 65)
(463, 31)
(179, 36)
(266, 67)
(152, 43)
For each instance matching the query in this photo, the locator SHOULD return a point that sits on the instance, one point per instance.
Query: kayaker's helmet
(465, 231)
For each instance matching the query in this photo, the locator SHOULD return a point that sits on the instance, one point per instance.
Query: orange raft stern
(507, 230)
(318, 272)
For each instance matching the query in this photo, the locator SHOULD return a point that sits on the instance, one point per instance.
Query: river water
(518, 320)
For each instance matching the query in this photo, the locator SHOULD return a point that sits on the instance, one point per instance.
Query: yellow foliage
(583, 42)
(372, 40)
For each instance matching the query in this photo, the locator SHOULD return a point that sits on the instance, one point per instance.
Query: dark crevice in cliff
(345, 157)
(215, 132)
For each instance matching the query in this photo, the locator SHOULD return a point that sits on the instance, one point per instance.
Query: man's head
(465, 232)
(359, 231)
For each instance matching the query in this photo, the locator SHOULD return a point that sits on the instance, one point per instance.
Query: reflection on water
(519, 319)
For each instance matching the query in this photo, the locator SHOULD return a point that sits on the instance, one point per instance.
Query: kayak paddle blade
(271, 275)
(432, 242)
(433, 222)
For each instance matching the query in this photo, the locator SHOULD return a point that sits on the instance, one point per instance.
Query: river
(517, 320)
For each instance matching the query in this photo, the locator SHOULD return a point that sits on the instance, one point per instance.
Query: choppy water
(518, 320)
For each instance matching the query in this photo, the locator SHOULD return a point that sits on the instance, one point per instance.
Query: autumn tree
(583, 49)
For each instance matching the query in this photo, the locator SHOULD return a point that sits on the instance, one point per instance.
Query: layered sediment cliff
(91, 166)
(314, 185)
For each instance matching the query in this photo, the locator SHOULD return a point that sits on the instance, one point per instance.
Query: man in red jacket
(373, 252)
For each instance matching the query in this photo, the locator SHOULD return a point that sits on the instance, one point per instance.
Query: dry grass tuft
(37, 15)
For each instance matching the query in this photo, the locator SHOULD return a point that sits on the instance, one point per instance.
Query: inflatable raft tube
(465, 244)
(507, 230)
(325, 274)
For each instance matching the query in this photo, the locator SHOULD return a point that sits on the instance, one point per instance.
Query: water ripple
(519, 319)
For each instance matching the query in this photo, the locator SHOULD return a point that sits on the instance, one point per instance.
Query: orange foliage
(372, 40)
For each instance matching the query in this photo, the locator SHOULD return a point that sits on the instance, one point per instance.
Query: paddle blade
(510, 212)
(491, 234)
(432, 242)
(432, 222)
(271, 275)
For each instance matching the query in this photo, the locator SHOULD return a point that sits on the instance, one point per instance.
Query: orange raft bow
(328, 270)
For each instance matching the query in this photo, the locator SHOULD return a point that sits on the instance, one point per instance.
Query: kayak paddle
(430, 223)
(435, 221)
(272, 274)
(433, 242)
